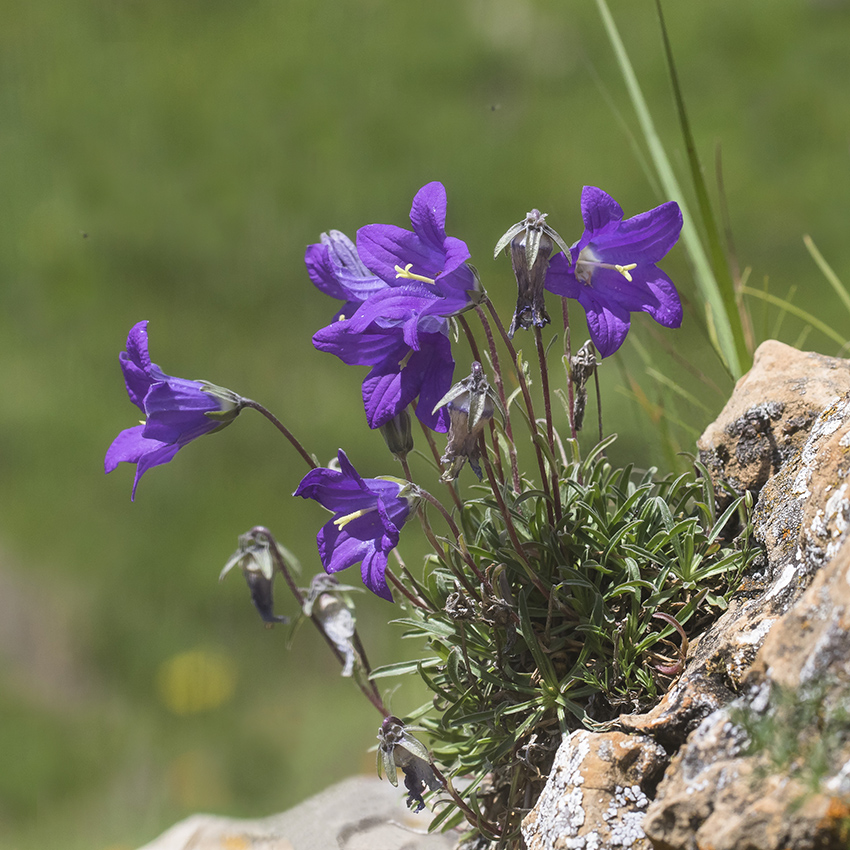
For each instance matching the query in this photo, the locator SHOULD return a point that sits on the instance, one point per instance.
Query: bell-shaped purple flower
(400, 328)
(176, 410)
(426, 271)
(613, 271)
(368, 516)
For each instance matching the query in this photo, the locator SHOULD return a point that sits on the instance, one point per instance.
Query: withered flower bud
(471, 404)
(398, 749)
(255, 560)
(531, 243)
(328, 603)
(397, 435)
(459, 606)
(582, 367)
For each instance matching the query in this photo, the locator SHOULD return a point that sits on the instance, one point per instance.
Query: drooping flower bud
(398, 749)
(255, 560)
(531, 243)
(397, 435)
(471, 404)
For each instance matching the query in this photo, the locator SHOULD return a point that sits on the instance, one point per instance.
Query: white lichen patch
(755, 636)
(559, 813)
(783, 581)
(624, 816)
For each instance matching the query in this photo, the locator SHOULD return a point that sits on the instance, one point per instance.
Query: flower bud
(397, 435)
(255, 560)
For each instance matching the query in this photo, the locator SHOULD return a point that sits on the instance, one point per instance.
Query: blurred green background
(170, 161)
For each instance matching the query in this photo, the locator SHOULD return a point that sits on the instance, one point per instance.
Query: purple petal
(600, 212)
(136, 363)
(428, 214)
(322, 272)
(338, 550)
(127, 447)
(156, 457)
(456, 255)
(560, 278)
(176, 411)
(607, 321)
(131, 447)
(387, 390)
(435, 381)
(644, 238)
(342, 492)
(336, 269)
(384, 246)
(371, 347)
(649, 291)
(373, 571)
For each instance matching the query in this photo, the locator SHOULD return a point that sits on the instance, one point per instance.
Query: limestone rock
(803, 512)
(791, 792)
(770, 413)
(596, 794)
(360, 813)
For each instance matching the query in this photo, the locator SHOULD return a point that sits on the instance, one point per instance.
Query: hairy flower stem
(473, 345)
(283, 430)
(509, 523)
(500, 389)
(436, 452)
(598, 402)
(370, 692)
(565, 309)
(476, 354)
(526, 395)
(457, 535)
(396, 581)
(550, 429)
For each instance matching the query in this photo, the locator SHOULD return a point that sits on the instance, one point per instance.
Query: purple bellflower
(368, 516)
(401, 329)
(176, 410)
(613, 271)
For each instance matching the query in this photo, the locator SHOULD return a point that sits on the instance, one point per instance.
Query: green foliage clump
(566, 623)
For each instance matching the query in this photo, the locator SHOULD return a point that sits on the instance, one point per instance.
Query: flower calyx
(398, 436)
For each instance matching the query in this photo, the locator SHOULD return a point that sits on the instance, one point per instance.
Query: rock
(769, 415)
(804, 511)
(360, 813)
(758, 723)
(793, 789)
(596, 794)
